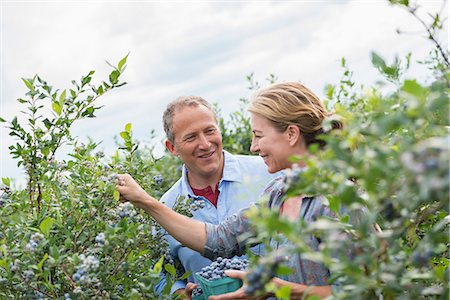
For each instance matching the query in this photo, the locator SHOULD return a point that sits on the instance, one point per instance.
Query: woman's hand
(240, 293)
(131, 191)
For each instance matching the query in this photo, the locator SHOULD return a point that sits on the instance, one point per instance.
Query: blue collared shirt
(243, 180)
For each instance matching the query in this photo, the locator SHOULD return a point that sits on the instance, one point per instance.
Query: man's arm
(187, 231)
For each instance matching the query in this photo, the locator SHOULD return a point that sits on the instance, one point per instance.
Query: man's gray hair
(177, 104)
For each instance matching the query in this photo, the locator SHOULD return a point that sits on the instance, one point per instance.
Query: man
(217, 183)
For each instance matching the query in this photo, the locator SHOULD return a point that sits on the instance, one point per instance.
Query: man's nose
(204, 142)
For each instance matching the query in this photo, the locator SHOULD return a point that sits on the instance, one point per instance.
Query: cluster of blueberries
(197, 204)
(126, 210)
(5, 193)
(257, 277)
(216, 270)
(88, 264)
(158, 179)
(35, 239)
(28, 275)
(100, 239)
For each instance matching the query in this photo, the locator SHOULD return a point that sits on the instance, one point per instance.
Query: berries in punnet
(216, 270)
(197, 291)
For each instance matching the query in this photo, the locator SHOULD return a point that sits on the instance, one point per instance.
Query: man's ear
(171, 148)
(293, 134)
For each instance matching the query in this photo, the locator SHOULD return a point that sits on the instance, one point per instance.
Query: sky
(204, 48)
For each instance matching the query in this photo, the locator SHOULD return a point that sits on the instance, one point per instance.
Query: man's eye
(189, 138)
(211, 131)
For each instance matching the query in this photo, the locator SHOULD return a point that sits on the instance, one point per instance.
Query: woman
(286, 119)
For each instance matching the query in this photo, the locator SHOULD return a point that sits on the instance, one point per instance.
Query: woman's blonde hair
(292, 103)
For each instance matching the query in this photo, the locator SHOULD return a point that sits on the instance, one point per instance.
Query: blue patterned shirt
(226, 239)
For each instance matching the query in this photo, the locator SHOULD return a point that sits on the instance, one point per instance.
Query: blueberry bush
(391, 162)
(66, 235)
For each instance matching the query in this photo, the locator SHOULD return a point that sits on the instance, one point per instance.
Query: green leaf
(170, 269)
(377, 61)
(54, 251)
(62, 97)
(46, 225)
(284, 270)
(122, 62)
(113, 77)
(47, 123)
(413, 88)
(335, 204)
(4, 264)
(56, 108)
(158, 266)
(283, 292)
(186, 275)
(28, 83)
(6, 181)
(41, 263)
(116, 195)
(128, 128)
(125, 135)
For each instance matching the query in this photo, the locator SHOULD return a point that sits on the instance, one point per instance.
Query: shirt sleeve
(229, 237)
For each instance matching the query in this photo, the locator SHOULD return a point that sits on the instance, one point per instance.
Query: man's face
(197, 140)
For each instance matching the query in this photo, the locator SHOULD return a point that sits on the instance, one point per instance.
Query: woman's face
(273, 146)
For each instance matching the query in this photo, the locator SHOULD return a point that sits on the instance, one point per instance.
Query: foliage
(390, 166)
(79, 243)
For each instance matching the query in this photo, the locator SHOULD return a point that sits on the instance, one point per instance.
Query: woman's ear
(293, 134)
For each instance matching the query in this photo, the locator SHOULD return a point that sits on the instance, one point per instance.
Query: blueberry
(158, 179)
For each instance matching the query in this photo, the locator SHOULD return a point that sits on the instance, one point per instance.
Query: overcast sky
(204, 48)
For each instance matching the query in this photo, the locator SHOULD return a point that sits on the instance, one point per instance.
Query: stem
(68, 277)
(431, 36)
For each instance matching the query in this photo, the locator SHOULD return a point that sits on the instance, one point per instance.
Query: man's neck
(197, 181)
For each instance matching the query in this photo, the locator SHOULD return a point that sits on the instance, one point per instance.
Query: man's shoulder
(250, 161)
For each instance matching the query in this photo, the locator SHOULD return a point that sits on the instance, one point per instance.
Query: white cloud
(183, 48)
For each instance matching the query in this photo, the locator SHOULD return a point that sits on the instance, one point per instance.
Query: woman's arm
(299, 290)
(187, 231)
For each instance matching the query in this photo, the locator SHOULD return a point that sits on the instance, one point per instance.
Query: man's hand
(190, 286)
(240, 293)
(131, 191)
